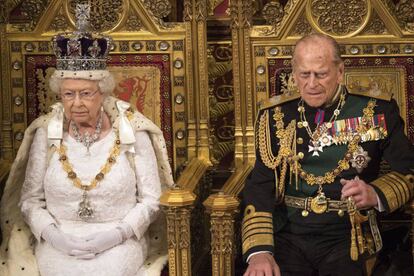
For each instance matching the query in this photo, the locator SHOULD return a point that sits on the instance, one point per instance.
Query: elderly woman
(92, 178)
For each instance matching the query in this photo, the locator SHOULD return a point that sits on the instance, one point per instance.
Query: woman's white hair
(106, 81)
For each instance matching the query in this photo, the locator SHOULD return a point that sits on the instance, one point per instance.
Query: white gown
(49, 196)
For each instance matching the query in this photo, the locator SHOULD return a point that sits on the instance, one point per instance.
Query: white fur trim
(87, 75)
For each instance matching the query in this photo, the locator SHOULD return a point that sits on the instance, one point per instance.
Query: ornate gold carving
(302, 26)
(133, 23)
(233, 11)
(31, 9)
(221, 149)
(159, 8)
(188, 10)
(105, 14)
(59, 23)
(247, 13)
(200, 10)
(223, 208)
(275, 30)
(221, 102)
(273, 13)
(241, 13)
(220, 109)
(375, 25)
(217, 69)
(339, 17)
(177, 205)
(403, 10)
(8, 5)
(405, 13)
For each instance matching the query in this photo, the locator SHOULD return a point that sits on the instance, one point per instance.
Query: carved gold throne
(159, 67)
(203, 94)
(376, 39)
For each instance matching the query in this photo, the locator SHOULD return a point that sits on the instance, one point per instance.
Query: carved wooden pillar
(241, 16)
(412, 228)
(177, 204)
(222, 209)
(195, 16)
(6, 136)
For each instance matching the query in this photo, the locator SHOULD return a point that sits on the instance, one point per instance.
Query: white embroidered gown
(49, 196)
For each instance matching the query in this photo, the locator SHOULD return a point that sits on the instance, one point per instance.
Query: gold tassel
(354, 249)
(361, 239)
(351, 212)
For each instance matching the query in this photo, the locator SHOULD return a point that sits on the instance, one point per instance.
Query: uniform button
(301, 155)
(299, 141)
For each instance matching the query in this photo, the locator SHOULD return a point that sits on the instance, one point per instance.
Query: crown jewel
(81, 50)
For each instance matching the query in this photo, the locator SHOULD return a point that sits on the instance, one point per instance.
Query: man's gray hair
(337, 59)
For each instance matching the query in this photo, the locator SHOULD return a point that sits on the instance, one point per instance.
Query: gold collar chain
(323, 127)
(68, 168)
(343, 164)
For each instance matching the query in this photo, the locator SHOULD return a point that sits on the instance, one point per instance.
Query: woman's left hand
(102, 241)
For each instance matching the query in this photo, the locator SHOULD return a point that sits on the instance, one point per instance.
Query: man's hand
(363, 194)
(262, 264)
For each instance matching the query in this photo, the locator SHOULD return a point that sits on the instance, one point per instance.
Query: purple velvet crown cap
(81, 50)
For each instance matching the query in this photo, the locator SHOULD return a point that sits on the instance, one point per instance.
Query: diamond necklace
(86, 139)
(320, 138)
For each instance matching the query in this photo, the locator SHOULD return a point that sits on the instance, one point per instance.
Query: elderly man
(310, 200)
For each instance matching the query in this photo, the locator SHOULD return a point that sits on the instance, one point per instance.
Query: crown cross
(81, 50)
(82, 13)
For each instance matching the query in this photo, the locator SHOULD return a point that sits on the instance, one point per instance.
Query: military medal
(315, 147)
(325, 140)
(360, 159)
(320, 137)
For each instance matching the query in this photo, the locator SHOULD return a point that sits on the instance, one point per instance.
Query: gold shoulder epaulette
(372, 93)
(279, 99)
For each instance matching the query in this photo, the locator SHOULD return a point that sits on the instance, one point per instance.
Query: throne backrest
(147, 58)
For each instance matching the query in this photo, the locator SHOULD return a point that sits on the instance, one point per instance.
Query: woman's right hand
(262, 264)
(66, 243)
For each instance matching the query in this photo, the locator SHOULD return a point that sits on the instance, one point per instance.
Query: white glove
(66, 243)
(101, 241)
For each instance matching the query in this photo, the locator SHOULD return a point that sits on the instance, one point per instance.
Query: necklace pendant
(85, 210)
